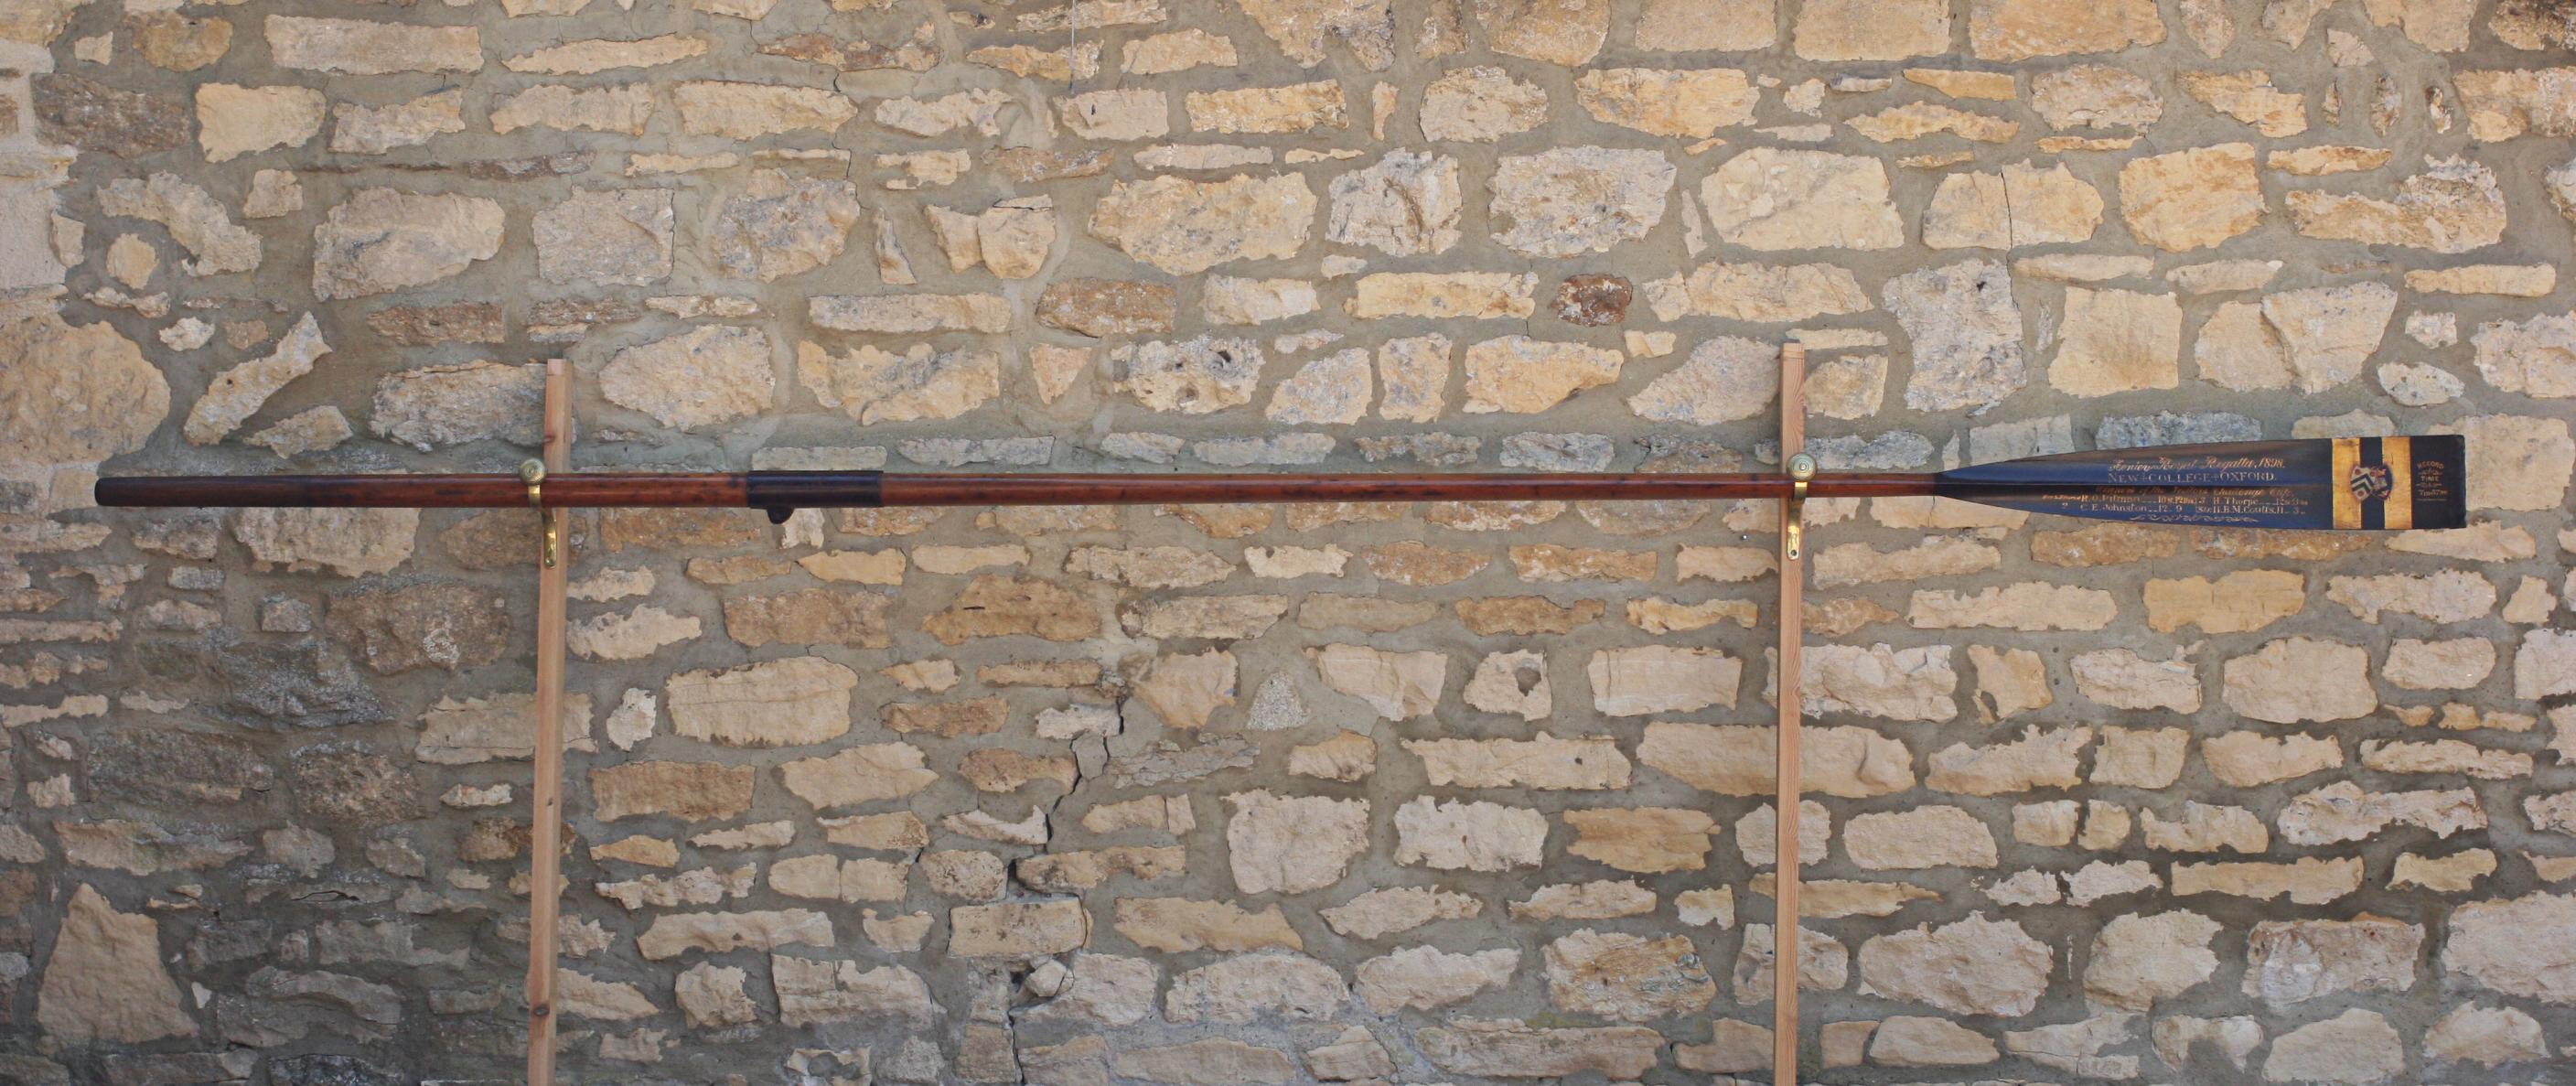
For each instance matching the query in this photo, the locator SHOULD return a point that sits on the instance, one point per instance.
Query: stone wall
(1272, 794)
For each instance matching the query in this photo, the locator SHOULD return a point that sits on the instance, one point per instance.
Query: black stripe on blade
(2441, 477)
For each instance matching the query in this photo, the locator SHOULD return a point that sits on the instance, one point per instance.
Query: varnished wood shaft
(806, 490)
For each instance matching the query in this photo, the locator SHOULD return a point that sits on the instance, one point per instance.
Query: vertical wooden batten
(1784, 918)
(545, 792)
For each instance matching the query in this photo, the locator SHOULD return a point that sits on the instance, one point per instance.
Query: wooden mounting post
(545, 791)
(1792, 622)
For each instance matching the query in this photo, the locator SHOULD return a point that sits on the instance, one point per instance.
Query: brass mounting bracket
(1802, 467)
(533, 473)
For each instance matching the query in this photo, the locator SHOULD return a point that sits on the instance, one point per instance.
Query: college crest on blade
(2370, 482)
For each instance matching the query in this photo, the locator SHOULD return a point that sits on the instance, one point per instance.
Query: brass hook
(1802, 467)
(533, 473)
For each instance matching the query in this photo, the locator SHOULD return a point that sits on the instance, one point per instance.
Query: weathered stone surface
(99, 117)
(1966, 335)
(1211, 1062)
(2355, 1046)
(1301, 29)
(449, 405)
(2515, 946)
(2192, 199)
(685, 790)
(233, 121)
(1774, 199)
(1184, 227)
(1525, 376)
(2116, 341)
(1507, 1047)
(1723, 380)
(445, 625)
(1107, 307)
(2452, 207)
(1408, 203)
(2021, 29)
(1543, 762)
(1018, 929)
(2290, 961)
(1740, 761)
(1252, 987)
(1930, 836)
(1480, 104)
(1398, 686)
(1473, 836)
(1195, 377)
(2300, 679)
(76, 395)
(1667, 102)
(872, 385)
(2023, 205)
(1973, 966)
(606, 236)
(1626, 977)
(383, 240)
(780, 225)
(1911, 1041)
(1292, 844)
(104, 980)
(787, 702)
(626, 109)
(703, 377)
(194, 219)
(361, 130)
(1661, 679)
(861, 774)
(1179, 924)
(1862, 30)
(1425, 978)
(1380, 913)
(742, 111)
(2485, 1035)
(2136, 960)
(361, 47)
(1575, 200)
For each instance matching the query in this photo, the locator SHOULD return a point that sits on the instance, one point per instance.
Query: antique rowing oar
(2319, 483)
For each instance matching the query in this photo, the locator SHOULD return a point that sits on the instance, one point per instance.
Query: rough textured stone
(105, 981)
(703, 377)
(1577, 200)
(2355, 1046)
(1974, 966)
(2192, 199)
(780, 225)
(1966, 335)
(2452, 207)
(1767, 198)
(2515, 946)
(196, 221)
(382, 240)
(1292, 844)
(1184, 227)
(1480, 104)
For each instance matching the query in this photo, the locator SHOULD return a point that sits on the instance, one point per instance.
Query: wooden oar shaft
(867, 489)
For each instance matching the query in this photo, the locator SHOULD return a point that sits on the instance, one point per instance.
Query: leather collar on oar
(2368, 483)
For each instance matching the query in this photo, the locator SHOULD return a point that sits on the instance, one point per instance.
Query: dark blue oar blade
(2349, 483)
